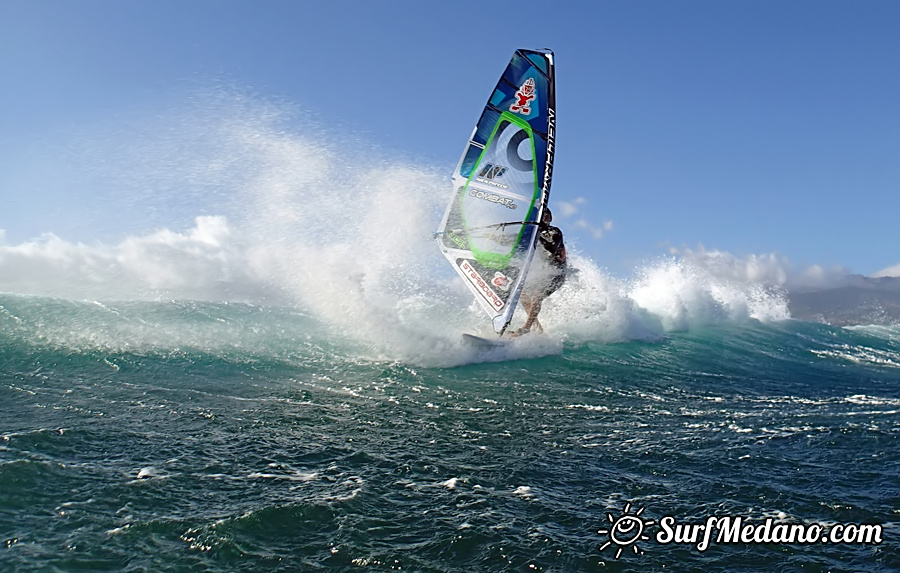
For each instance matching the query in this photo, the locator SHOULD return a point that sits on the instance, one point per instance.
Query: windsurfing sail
(501, 186)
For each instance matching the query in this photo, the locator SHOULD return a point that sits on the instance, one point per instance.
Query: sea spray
(281, 213)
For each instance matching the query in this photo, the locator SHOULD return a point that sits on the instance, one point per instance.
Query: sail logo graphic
(625, 531)
(524, 95)
(481, 285)
(500, 281)
(507, 202)
(491, 171)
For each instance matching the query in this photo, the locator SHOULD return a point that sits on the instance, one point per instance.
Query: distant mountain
(857, 300)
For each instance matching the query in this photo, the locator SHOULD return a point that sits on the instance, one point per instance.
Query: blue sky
(750, 127)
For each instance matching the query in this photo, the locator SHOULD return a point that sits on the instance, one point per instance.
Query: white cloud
(569, 209)
(893, 271)
(207, 262)
(595, 232)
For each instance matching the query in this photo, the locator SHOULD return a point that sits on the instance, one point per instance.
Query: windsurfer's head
(548, 216)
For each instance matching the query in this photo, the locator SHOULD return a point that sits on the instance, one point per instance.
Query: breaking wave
(284, 218)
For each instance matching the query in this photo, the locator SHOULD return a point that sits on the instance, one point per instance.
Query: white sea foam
(524, 491)
(682, 295)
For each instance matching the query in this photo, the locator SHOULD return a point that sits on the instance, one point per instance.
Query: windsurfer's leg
(528, 302)
(534, 308)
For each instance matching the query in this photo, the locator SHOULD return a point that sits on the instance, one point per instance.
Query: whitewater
(257, 365)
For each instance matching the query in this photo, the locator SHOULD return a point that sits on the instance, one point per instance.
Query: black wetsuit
(554, 258)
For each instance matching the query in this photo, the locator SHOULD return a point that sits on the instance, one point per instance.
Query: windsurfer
(547, 273)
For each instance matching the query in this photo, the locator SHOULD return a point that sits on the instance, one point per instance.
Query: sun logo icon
(626, 530)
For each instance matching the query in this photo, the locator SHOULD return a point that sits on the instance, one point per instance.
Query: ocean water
(175, 436)
(242, 387)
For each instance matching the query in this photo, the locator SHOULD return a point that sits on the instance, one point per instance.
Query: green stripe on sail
(491, 260)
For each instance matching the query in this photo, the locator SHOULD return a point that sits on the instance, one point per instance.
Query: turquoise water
(189, 436)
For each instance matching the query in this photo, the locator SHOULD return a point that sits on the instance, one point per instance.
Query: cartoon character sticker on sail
(524, 95)
(501, 281)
